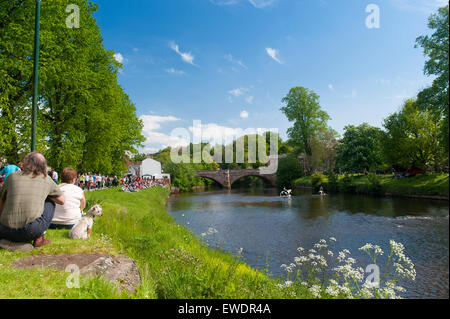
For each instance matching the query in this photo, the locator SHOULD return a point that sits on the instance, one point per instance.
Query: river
(269, 229)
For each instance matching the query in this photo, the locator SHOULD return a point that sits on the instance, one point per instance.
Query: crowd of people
(88, 181)
(32, 201)
(135, 183)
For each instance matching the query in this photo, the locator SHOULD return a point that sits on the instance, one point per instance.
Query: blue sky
(228, 63)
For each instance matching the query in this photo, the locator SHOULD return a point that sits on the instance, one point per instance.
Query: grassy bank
(425, 185)
(172, 261)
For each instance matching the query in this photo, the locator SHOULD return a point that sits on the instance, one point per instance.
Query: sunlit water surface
(270, 228)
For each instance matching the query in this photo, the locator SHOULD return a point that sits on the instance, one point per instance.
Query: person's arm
(83, 202)
(61, 200)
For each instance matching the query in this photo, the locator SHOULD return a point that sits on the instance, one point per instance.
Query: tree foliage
(360, 148)
(85, 118)
(303, 108)
(435, 46)
(412, 138)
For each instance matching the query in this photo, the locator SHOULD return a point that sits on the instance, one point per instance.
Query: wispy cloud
(249, 99)
(230, 58)
(238, 92)
(261, 3)
(331, 87)
(383, 81)
(224, 2)
(273, 53)
(175, 71)
(185, 56)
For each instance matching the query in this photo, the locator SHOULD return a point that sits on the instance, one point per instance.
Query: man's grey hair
(34, 163)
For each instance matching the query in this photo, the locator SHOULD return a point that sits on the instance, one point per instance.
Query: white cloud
(119, 57)
(153, 122)
(175, 71)
(261, 3)
(220, 133)
(244, 114)
(331, 87)
(238, 92)
(273, 53)
(157, 140)
(249, 99)
(135, 49)
(186, 56)
(230, 58)
(216, 133)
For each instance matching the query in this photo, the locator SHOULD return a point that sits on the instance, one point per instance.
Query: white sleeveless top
(70, 212)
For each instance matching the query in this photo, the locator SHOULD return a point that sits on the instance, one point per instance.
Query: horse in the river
(286, 193)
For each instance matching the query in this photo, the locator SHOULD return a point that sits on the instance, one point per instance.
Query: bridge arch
(265, 178)
(214, 179)
(227, 177)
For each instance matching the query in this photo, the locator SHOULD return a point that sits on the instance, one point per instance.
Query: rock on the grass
(121, 269)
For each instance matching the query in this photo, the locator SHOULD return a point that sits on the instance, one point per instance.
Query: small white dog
(82, 229)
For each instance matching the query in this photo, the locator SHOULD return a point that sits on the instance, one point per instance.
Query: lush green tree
(85, 119)
(360, 148)
(412, 138)
(16, 48)
(303, 108)
(435, 46)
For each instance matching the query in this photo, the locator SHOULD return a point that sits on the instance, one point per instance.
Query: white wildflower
(315, 291)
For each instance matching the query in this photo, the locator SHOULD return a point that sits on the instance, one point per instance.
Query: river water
(270, 228)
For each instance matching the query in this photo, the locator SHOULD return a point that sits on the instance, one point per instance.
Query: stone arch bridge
(226, 178)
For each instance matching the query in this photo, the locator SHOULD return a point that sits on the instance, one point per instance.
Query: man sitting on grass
(27, 205)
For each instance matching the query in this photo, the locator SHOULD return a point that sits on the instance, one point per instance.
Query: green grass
(48, 282)
(172, 261)
(429, 184)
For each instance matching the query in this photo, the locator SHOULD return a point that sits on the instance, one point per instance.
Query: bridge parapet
(226, 178)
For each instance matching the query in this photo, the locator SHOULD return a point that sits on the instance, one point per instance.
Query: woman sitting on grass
(67, 215)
